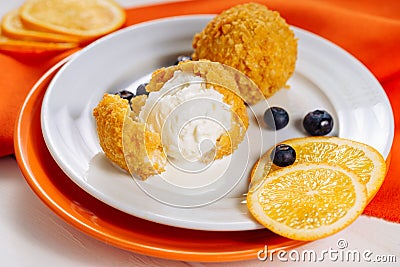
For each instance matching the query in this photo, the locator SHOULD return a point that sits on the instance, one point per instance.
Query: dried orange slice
(22, 46)
(12, 27)
(307, 201)
(361, 158)
(84, 19)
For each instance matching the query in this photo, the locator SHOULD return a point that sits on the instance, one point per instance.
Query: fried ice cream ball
(254, 40)
(140, 137)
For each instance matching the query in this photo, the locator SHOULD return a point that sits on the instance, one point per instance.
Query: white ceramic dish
(326, 77)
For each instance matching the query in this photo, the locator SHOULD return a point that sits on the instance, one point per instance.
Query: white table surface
(32, 235)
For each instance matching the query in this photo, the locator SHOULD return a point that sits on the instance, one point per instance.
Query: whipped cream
(189, 117)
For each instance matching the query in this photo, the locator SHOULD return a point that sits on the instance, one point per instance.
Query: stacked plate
(58, 151)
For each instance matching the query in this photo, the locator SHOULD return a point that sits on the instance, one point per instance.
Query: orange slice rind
(22, 46)
(307, 201)
(361, 158)
(13, 28)
(83, 19)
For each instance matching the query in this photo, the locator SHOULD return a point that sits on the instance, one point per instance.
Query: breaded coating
(110, 115)
(142, 149)
(136, 104)
(229, 141)
(254, 40)
(125, 141)
(214, 73)
(227, 81)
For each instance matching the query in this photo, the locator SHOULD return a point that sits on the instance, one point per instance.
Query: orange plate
(110, 225)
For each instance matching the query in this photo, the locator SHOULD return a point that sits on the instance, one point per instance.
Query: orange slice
(12, 27)
(307, 201)
(34, 47)
(361, 158)
(84, 19)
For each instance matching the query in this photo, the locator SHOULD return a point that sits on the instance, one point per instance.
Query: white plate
(326, 77)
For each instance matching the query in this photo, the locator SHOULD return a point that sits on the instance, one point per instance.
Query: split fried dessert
(192, 112)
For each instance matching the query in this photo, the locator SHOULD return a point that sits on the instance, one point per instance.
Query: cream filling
(189, 117)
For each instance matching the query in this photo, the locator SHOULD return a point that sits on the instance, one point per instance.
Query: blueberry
(276, 118)
(182, 58)
(283, 155)
(318, 123)
(141, 90)
(125, 94)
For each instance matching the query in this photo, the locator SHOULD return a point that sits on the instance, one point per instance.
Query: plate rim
(92, 228)
(355, 60)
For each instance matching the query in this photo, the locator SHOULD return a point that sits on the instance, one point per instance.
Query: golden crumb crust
(110, 115)
(230, 140)
(125, 141)
(252, 39)
(214, 73)
(143, 150)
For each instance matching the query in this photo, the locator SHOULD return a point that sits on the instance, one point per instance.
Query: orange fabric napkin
(368, 29)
